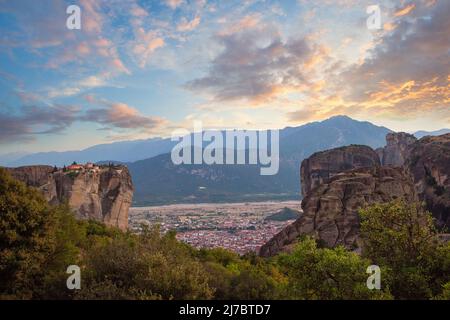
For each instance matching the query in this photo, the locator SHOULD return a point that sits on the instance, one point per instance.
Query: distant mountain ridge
(135, 150)
(123, 151)
(422, 133)
(158, 181)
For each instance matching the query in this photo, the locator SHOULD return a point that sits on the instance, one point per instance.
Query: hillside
(284, 215)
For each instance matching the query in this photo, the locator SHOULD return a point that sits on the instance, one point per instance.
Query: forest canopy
(39, 241)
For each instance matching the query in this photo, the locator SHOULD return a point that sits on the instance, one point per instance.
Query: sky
(140, 69)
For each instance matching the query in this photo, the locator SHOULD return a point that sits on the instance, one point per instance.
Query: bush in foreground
(39, 241)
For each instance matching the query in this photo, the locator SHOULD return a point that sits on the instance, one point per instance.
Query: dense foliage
(403, 238)
(39, 241)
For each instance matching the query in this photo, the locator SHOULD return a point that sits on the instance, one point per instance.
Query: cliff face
(429, 164)
(330, 211)
(39, 177)
(396, 151)
(415, 170)
(103, 193)
(322, 166)
(428, 161)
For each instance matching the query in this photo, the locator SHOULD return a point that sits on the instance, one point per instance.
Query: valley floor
(241, 227)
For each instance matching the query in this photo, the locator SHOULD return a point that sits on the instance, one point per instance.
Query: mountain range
(158, 181)
(422, 133)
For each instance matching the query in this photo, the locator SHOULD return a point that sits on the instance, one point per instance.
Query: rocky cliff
(415, 170)
(396, 151)
(322, 166)
(428, 161)
(101, 193)
(330, 211)
(39, 177)
(429, 164)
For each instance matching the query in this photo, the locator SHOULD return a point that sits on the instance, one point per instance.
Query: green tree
(70, 238)
(145, 266)
(26, 238)
(445, 294)
(241, 277)
(322, 273)
(402, 237)
(38, 241)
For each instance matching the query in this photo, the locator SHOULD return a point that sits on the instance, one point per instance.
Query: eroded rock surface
(330, 211)
(103, 193)
(429, 164)
(396, 151)
(322, 166)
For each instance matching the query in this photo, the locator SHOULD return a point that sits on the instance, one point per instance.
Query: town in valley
(240, 227)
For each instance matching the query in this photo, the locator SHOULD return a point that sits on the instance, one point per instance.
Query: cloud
(29, 121)
(241, 55)
(97, 53)
(28, 97)
(186, 25)
(83, 48)
(92, 82)
(41, 30)
(93, 20)
(13, 130)
(63, 92)
(81, 85)
(38, 28)
(138, 11)
(173, 4)
(405, 10)
(26, 122)
(120, 115)
(388, 26)
(249, 21)
(256, 65)
(145, 45)
(405, 72)
(302, 115)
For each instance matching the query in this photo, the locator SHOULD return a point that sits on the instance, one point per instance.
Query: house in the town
(75, 167)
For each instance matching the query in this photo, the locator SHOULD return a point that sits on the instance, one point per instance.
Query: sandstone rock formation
(429, 164)
(330, 210)
(397, 148)
(415, 170)
(428, 160)
(103, 193)
(39, 177)
(322, 166)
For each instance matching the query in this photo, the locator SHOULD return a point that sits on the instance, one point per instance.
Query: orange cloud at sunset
(405, 10)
